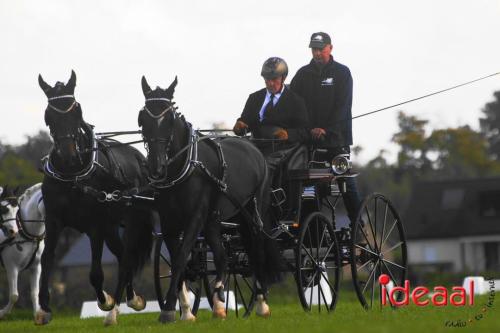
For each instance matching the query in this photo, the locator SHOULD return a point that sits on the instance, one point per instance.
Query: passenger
(277, 113)
(326, 87)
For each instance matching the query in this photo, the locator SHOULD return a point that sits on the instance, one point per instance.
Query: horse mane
(29, 192)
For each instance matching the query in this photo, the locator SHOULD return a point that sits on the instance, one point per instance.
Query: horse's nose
(11, 233)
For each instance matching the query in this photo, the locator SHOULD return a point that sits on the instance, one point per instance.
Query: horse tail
(138, 240)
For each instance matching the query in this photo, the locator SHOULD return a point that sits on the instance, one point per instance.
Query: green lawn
(289, 317)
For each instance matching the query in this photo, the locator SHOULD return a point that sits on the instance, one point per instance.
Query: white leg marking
(219, 308)
(111, 317)
(186, 313)
(261, 307)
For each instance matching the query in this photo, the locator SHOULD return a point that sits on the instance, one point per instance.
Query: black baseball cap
(319, 40)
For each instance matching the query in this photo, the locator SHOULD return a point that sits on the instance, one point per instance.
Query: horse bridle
(71, 107)
(170, 108)
(12, 201)
(87, 170)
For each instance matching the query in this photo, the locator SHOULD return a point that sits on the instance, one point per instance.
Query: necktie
(269, 106)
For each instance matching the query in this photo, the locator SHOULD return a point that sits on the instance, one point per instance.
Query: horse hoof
(108, 305)
(188, 316)
(167, 317)
(42, 317)
(265, 314)
(219, 313)
(137, 303)
(111, 318)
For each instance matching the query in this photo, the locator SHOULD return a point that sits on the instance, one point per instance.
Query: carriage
(314, 247)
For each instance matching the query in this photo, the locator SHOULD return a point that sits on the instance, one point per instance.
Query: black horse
(201, 182)
(84, 179)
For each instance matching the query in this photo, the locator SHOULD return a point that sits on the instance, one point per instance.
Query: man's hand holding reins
(240, 128)
(281, 134)
(318, 133)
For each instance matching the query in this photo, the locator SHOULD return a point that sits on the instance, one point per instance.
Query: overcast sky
(395, 49)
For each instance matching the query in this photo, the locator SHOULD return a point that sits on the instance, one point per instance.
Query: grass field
(286, 317)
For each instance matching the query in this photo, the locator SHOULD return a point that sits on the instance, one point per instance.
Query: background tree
(412, 155)
(490, 126)
(460, 153)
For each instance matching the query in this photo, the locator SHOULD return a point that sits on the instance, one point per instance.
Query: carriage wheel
(317, 264)
(163, 275)
(377, 248)
(239, 292)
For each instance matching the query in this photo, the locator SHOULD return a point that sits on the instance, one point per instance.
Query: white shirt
(268, 99)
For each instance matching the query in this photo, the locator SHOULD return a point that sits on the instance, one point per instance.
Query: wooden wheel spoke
(366, 263)
(371, 228)
(328, 252)
(308, 253)
(366, 238)
(393, 247)
(311, 280)
(324, 299)
(389, 233)
(365, 249)
(392, 263)
(370, 276)
(383, 226)
(325, 230)
(328, 282)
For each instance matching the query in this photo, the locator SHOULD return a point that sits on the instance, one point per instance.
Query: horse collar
(188, 165)
(49, 169)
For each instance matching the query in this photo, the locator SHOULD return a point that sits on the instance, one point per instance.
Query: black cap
(319, 40)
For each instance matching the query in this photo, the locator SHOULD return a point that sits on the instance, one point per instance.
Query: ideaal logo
(400, 296)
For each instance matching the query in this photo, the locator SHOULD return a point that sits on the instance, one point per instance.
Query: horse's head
(8, 214)
(157, 120)
(64, 118)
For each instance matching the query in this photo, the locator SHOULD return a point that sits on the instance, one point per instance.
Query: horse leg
(261, 307)
(96, 275)
(172, 241)
(136, 302)
(35, 271)
(213, 239)
(185, 304)
(53, 229)
(255, 246)
(179, 262)
(12, 276)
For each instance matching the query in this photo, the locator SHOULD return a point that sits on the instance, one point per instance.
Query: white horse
(24, 250)
(8, 212)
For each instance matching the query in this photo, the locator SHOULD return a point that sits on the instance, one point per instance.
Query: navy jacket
(328, 96)
(289, 113)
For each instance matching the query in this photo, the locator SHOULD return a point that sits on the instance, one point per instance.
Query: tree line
(435, 154)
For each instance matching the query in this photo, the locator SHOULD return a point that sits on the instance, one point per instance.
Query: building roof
(453, 208)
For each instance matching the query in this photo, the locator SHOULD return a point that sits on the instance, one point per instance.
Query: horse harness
(26, 235)
(192, 162)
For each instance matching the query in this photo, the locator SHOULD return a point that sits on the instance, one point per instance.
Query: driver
(276, 116)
